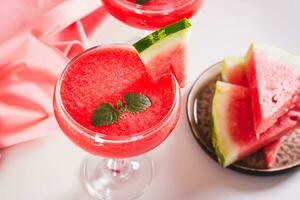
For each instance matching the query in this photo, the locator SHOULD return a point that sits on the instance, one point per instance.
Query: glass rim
(102, 136)
(153, 8)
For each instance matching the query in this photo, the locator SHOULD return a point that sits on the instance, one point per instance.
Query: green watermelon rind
(169, 43)
(214, 133)
(161, 34)
(225, 148)
(214, 137)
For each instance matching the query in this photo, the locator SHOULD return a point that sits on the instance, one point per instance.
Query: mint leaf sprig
(136, 102)
(106, 114)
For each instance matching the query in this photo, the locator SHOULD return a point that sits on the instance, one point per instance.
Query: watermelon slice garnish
(164, 51)
(233, 71)
(273, 80)
(233, 133)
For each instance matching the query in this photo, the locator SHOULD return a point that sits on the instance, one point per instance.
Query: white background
(48, 168)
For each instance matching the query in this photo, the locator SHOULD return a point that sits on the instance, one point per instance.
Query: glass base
(111, 179)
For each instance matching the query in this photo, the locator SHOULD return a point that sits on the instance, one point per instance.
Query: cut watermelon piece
(233, 71)
(233, 134)
(273, 80)
(164, 51)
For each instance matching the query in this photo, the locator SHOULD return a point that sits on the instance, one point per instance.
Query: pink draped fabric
(37, 39)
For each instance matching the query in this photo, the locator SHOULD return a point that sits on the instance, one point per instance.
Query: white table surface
(48, 168)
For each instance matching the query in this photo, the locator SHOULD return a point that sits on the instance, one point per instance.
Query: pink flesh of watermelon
(237, 75)
(271, 150)
(283, 126)
(241, 126)
(240, 116)
(173, 60)
(274, 86)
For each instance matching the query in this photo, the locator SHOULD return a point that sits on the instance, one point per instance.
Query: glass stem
(118, 167)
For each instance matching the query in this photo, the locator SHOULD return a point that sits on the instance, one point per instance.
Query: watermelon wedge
(164, 51)
(233, 133)
(273, 80)
(234, 71)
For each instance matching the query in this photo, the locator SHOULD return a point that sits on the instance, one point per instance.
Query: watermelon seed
(275, 99)
(294, 118)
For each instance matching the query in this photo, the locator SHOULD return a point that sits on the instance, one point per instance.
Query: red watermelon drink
(107, 74)
(115, 75)
(151, 14)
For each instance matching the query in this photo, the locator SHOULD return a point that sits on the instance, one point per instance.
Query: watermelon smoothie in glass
(151, 14)
(105, 74)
